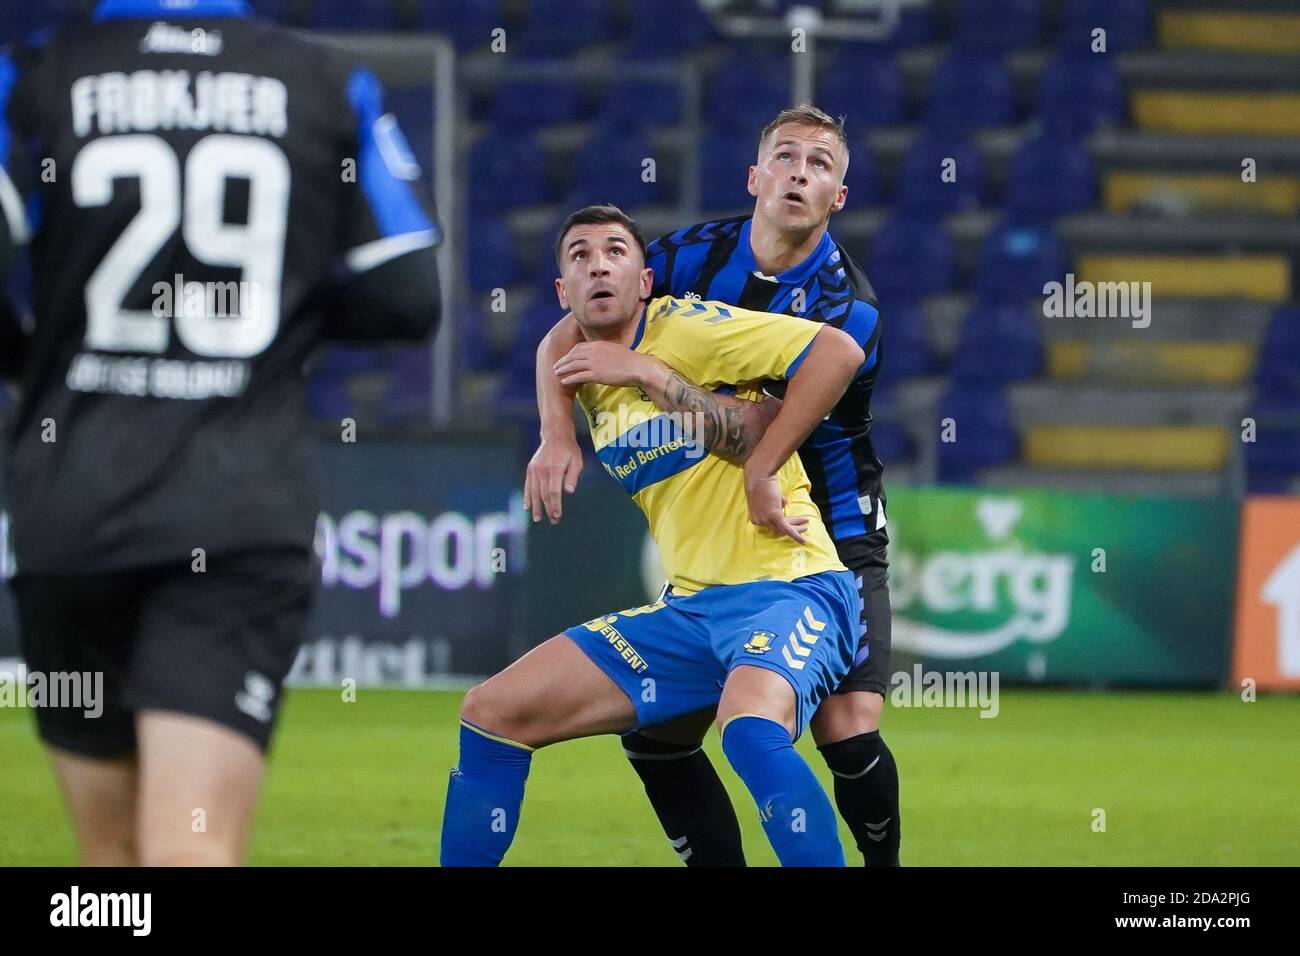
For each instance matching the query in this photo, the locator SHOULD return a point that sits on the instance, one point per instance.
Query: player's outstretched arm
(817, 384)
(388, 286)
(557, 463)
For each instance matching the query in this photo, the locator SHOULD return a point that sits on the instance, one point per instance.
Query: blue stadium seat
(506, 171)
(278, 10)
(480, 101)
(861, 179)
(327, 400)
(640, 102)
(413, 107)
(1262, 480)
(970, 91)
(1282, 337)
(353, 15)
(910, 257)
(333, 367)
(1000, 342)
(538, 264)
(997, 26)
(921, 189)
(1077, 91)
(1127, 24)
(984, 432)
(664, 29)
(473, 344)
(493, 262)
(1273, 458)
(1277, 371)
(1051, 176)
(468, 24)
(863, 84)
(1277, 391)
(907, 350)
(1017, 259)
(342, 362)
(890, 442)
(747, 90)
(519, 385)
(555, 29)
(724, 161)
(608, 168)
(529, 104)
(409, 396)
(915, 26)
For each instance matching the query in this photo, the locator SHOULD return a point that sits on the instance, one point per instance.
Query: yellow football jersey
(693, 500)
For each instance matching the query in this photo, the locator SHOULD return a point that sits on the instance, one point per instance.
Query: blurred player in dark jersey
(780, 259)
(205, 197)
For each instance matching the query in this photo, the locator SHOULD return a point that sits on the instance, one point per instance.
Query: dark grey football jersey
(191, 181)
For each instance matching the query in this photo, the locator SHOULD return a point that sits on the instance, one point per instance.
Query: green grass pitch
(1184, 779)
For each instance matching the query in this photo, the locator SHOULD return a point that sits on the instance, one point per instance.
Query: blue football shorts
(672, 657)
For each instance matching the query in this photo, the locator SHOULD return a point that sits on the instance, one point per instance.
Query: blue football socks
(484, 796)
(796, 813)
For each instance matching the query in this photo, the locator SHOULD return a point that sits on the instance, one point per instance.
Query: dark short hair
(595, 215)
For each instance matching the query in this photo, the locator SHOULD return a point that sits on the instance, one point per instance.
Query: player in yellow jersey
(760, 620)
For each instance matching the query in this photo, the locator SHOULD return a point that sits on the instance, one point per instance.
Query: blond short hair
(805, 114)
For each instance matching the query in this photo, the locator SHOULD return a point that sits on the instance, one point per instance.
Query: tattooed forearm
(718, 422)
(729, 427)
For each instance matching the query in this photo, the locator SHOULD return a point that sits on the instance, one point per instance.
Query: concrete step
(1207, 69)
(1173, 320)
(1097, 232)
(1057, 403)
(1142, 362)
(1155, 484)
(1167, 152)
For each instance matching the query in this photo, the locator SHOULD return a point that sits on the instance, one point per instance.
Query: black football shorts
(215, 644)
(870, 669)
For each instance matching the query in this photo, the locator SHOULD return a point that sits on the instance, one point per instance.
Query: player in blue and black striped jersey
(780, 259)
